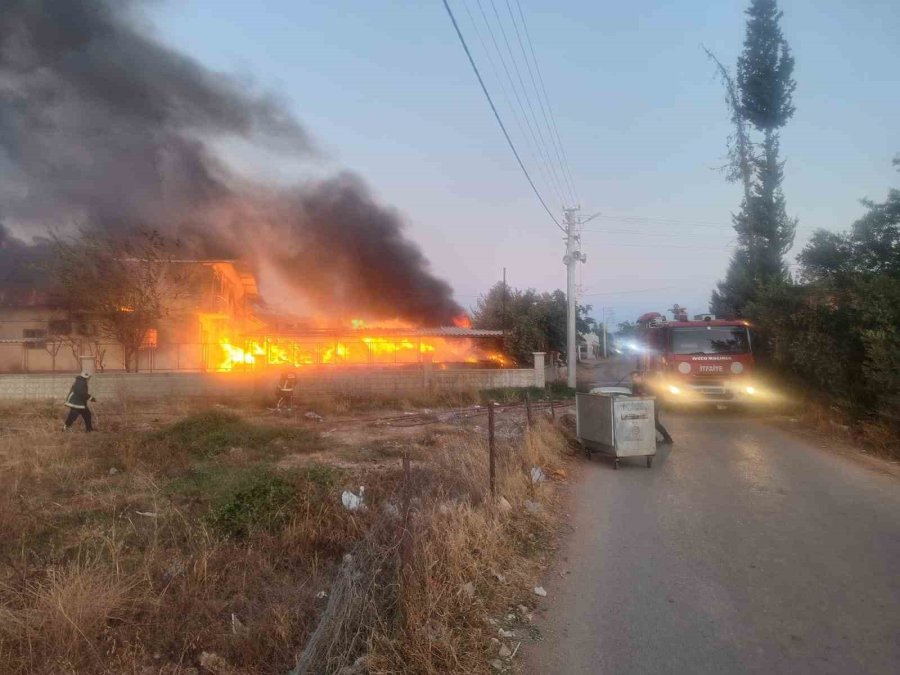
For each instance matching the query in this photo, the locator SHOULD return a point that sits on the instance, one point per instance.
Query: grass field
(187, 539)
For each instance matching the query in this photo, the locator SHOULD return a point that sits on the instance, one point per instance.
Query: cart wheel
(649, 461)
(616, 464)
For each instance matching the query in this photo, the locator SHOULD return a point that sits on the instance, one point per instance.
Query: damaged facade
(38, 335)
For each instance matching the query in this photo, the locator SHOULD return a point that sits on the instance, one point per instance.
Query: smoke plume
(103, 126)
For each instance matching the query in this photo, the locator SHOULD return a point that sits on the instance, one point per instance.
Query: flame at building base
(380, 344)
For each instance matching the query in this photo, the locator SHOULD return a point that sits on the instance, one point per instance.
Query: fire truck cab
(704, 359)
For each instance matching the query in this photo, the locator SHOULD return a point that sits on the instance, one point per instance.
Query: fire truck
(704, 359)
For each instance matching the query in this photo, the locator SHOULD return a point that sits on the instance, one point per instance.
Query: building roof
(369, 331)
(455, 331)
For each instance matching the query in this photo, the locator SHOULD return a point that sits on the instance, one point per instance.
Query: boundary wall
(311, 383)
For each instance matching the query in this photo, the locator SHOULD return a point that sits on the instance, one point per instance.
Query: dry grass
(876, 436)
(65, 613)
(454, 559)
(137, 548)
(460, 541)
(142, 548)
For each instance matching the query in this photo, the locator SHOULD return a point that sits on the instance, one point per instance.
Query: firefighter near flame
(77, 403)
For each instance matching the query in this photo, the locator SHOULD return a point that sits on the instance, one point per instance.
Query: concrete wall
(384, 382)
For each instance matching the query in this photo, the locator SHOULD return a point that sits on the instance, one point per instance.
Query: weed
(211, 432)
(557, 390)
(322, 475)
(554, 391)
(258, 501)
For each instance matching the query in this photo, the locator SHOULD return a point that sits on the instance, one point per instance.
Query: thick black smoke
(101, 125)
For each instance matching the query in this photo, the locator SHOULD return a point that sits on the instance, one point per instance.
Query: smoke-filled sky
(386, 90)
(102, 126)
(383, 89)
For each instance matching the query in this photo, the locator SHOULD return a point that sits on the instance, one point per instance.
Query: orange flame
(462, 321)
(364, 348)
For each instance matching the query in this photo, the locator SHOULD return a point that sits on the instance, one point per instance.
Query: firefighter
(77, 402)
(639, 388)
(284, 391)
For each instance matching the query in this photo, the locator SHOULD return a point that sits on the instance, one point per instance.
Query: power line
(490, 101)
(672, 221)
(542, 167)
(539, 146)
(642, 233)
(537, 123)
(542, 144)
(637, 290)
(564, 162)
(656, 245)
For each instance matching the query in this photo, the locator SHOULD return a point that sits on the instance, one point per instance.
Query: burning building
(219, 322)
(107, 129)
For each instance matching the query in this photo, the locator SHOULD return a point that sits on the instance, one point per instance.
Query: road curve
(745, 549)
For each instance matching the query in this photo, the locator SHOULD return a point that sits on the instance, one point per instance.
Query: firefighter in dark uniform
(284, 391)
(77, 403)
(639, 388)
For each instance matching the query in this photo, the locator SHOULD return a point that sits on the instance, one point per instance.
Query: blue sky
(385, 89)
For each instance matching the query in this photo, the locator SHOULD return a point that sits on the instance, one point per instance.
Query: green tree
(838, 330)
(626, 329)
(532, 321)
(760, 98)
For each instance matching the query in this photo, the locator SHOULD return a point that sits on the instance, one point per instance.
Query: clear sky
(386, 90)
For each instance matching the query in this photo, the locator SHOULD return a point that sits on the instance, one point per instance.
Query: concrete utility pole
(573, 257)
(604, 338)
(606, 314)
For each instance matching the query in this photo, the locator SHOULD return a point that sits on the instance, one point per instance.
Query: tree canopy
(532, 321)
(838, 329)
(760, 99)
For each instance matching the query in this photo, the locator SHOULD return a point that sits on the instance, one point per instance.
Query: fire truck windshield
(710, 340)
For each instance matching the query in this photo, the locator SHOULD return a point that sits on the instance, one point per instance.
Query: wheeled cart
(616, 425)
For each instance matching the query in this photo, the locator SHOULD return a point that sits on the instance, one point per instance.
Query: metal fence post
(528, 420)
(492, 450)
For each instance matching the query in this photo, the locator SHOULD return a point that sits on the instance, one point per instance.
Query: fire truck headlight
(750, 390)
(674, 390)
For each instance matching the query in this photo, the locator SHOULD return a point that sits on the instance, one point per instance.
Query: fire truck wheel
(649, 461)
(616, 464)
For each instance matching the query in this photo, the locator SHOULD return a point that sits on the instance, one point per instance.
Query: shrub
(259, 501)
(208, 433)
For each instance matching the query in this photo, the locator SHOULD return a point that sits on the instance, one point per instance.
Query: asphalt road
(745, 549)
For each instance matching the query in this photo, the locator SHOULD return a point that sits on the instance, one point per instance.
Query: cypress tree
(763, 101)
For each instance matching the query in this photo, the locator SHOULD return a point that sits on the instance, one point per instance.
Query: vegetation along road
(745, 549)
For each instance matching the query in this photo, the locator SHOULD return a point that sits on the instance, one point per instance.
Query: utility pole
(503, 308)
(607, 313)
(604, 337)
(573, 257)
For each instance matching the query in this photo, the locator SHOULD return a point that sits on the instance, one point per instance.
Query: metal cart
(616, 424)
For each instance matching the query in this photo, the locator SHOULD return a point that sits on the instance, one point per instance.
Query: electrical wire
(490, 101)
(659, 245)
(487, 52)
(637, 290)
(560, 149)
(671, 221)
(539, 148)
(542, 143)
